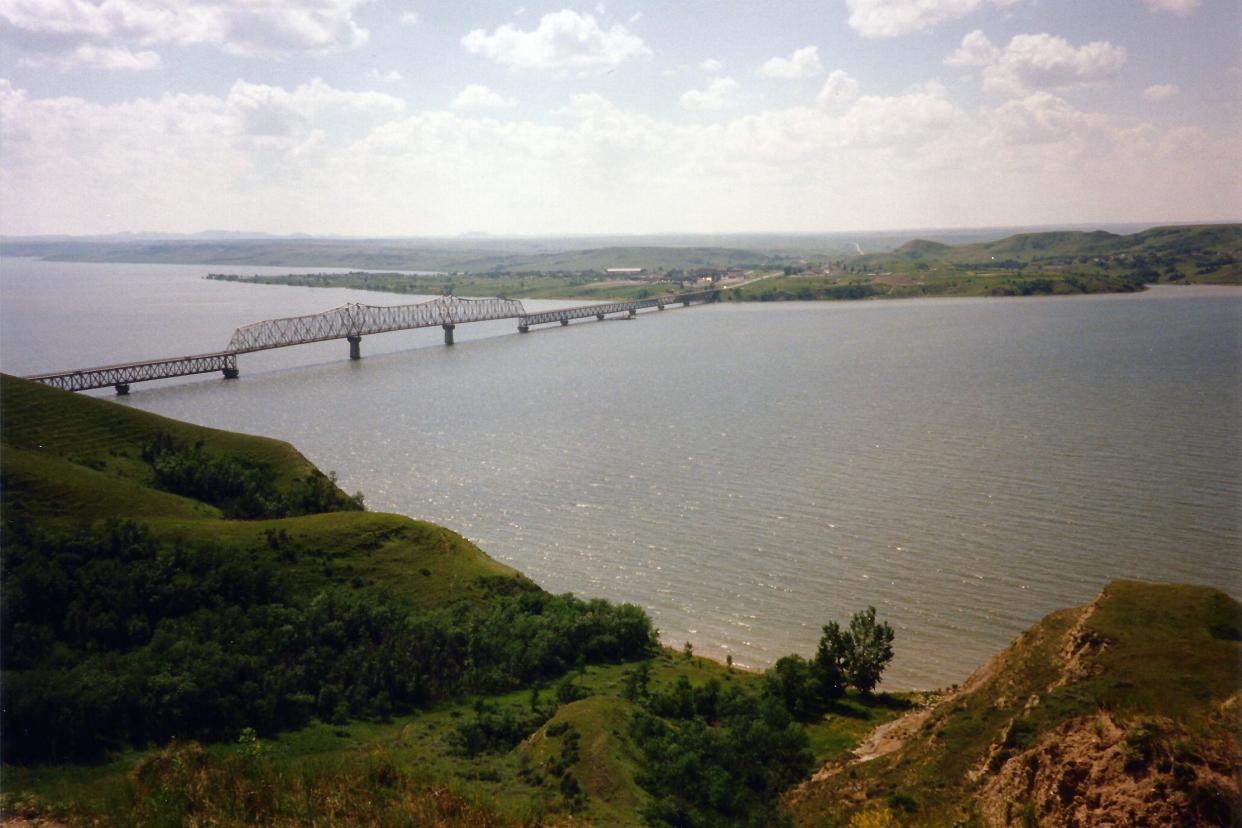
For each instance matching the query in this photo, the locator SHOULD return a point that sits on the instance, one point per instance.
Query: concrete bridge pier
(564, 321)
(523, 327)
(448, 334)
(633, 312)
(122, 389)
(685, 303)
(355, 351)
(230, 373)
(660, 305)
(600, 317)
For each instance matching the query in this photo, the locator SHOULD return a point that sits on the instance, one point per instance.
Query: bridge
(349, 322)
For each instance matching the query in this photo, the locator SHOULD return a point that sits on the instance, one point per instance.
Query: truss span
(354, 320)
(120, 376)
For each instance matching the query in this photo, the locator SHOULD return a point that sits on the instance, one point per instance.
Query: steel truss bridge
(349, 322)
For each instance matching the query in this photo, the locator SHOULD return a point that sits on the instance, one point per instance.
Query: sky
(419, 118)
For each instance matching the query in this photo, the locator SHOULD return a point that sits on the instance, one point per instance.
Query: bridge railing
(359, 320)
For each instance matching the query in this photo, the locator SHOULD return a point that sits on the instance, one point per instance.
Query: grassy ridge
(1127, 706)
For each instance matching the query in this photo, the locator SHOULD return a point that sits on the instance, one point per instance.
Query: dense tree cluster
(238, 488)
(717, 757)
(118, 637)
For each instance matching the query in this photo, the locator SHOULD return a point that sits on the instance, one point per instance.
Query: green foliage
(722, 769)
(241, 489)
(121, 638)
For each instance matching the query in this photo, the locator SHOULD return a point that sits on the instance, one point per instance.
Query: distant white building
(624, 271)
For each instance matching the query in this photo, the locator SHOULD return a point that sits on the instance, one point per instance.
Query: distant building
(624, 271)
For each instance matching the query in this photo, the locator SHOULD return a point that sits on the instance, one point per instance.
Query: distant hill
(1220, 240)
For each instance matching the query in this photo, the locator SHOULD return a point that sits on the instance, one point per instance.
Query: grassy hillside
(1121, 712)
(200, 626)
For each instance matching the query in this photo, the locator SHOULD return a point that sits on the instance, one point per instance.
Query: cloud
(976, 50)
(891, 18)
(321, 159)
(1161, 91)
(840, 88)
(718, 94)
(562, 40)
(803, 63)
(236, 26)
(478, 96)
(711, 65)
(391, 76)
(264, 110)
(409, 18)
(1173, 6)
(1042, 118)
(1038, 61)
(98, 57)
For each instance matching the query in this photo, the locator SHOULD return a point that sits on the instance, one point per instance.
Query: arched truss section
(360, 320)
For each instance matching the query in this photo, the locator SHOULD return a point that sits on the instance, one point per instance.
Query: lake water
(744, 472)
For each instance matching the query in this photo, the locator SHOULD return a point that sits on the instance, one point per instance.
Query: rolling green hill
(167, 585)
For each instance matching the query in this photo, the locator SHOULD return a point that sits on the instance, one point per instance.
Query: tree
(870, 652)
(830, 661)
(855, 657)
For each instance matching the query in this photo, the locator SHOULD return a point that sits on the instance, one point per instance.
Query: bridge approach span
(120, 376)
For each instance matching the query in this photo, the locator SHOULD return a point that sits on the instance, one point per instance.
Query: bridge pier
(600, 317)
(122, 389)
(523, 327)
(448, 334)
(660, 305)
(564, 321)
(633, 313)
(355, 351)
(230, 373)
(685, 303)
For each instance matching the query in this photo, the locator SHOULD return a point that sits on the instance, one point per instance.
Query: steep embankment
(1123, 712)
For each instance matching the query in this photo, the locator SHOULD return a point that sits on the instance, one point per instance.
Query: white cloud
(1173, 6)
(409, 18)
(1161, 91)
(1038, 61)
(478, 96)
(562, 40)
(976, 50)
(718, 94)
(890, 18)
(321, 159)
(803, 63)
(711, 65)
(98, 57)
(840, 88)
(391, 76)
(239, 27)
(1042, 118)
(634, 18)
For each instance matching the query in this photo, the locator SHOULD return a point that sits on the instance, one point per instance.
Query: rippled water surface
(745, 472)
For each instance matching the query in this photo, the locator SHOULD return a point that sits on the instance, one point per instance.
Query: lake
(747, 472)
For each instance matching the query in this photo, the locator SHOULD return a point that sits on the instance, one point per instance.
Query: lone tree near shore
(856, 656)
